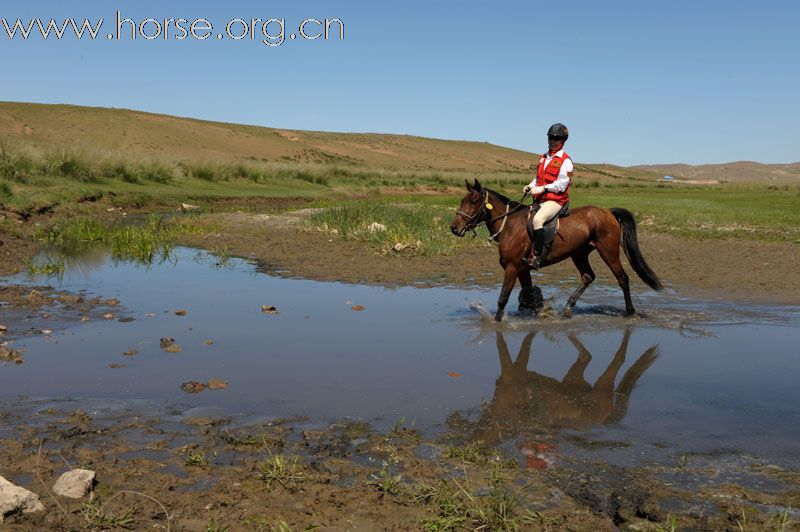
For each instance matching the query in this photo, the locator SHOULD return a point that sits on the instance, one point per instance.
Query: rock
(112, 302)
(84, 318)
(74, 484)
(216, 384)
(10, 355)
(375, 227)
(150, 315)
(186, 207)
(116, 366)
(130, 352)
(15, 499)
(208, 341)
(180, 312)
(193, 387)
(269, 309)
(108, 316)
(3, 329)
(126, 319)
(399, 247)
(168, 344)
(358, 308)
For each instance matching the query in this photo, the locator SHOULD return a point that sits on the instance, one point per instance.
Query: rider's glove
(526, 189)
(537, 191)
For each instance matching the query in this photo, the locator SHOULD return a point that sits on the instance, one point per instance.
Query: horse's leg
(609, 251)
(581, 261)
(509, 280)
(574, 377)
(604, 386)
(530, 297)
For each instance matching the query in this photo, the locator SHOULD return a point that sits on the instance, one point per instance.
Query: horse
(586, 229)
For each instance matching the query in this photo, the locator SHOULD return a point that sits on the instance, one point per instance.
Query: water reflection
(531, 408)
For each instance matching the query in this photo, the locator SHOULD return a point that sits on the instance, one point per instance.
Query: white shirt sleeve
(562, 181)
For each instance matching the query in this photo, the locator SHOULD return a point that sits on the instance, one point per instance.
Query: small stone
(193, 387)
(126, 319)
(3, 329)
(150, 315)
(358, 308)
(130, 352)
(216, 384)
(112, 302)
(166, 341)
(108, 316)
(16, 499)
(269, 309)
(116, 366)
(47, 332)
(180, 312)
(74, 484)
(208, 341)
(10, 355)
(84, 318)
(186, 207)
(173, 348)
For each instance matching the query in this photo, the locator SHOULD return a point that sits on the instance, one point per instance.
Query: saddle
(551, 227)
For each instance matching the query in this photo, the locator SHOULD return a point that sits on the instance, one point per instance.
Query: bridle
(471, 218)
(474, 220)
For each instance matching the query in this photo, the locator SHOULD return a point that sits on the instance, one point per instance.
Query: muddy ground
(208, 472)
(199, 470)
(712, 269)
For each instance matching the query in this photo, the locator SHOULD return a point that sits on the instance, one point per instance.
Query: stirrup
(532, 262)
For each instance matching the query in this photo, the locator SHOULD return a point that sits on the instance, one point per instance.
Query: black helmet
(558, 131)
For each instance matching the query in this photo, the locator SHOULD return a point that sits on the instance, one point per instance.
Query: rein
(469, 218)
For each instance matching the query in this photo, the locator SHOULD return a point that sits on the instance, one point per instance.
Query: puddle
(684, 377)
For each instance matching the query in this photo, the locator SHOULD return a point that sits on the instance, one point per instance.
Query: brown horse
(584, 230)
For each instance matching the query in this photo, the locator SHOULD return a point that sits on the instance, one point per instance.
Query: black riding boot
(535, 261)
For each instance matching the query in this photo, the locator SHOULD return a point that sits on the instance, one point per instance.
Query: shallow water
(686, 378)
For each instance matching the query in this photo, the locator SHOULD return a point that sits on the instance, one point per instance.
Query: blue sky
(636, 82)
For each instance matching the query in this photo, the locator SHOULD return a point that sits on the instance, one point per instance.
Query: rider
(549, 188)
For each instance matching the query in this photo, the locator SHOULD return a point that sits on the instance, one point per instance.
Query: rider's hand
(537, 191)
(526, 189)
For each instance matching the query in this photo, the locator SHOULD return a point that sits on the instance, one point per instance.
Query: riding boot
(536, 259)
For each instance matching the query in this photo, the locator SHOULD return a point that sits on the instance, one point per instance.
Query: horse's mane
(505, 199)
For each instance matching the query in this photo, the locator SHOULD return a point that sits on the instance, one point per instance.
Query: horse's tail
(630, 243)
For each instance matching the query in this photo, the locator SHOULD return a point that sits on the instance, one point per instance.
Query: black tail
(630, 243)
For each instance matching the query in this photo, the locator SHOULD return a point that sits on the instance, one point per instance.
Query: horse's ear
(476, 185)
(469, 187)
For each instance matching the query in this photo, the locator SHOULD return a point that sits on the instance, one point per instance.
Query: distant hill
(136, 133)
(102, 131)
(736, 172)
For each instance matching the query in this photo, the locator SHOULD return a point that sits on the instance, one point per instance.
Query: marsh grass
(97, 517)
(407, 228)
(144, 243)
(285, 471)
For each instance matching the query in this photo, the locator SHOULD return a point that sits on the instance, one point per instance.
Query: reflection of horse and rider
(536, 407)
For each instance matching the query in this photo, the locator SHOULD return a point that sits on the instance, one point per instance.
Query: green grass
(146, 242)
(285, 471)
(750, 213)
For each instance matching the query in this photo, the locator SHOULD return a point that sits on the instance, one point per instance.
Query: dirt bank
(712, 269)
(199, 470)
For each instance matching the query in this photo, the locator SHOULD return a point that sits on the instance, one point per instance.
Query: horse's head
(472, 211)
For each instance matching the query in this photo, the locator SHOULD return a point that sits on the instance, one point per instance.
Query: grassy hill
(735, 172)
(101, 132)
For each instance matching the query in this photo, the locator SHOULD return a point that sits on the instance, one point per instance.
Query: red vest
(545, 176)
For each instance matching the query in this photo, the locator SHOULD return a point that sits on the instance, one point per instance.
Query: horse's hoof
(498, 318)
(567, 313)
